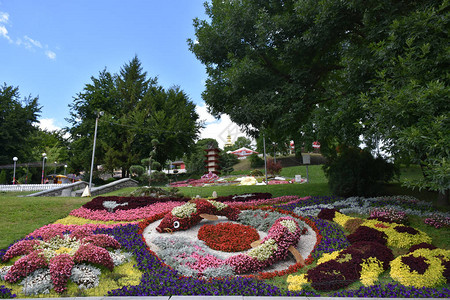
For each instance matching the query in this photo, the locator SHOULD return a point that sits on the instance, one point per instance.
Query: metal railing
(30, 187)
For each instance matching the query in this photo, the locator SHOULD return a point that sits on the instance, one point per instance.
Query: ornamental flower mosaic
(53, 259)
(233, 245)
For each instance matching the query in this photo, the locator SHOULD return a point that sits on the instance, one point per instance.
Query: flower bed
(228, 237)
(86, 261)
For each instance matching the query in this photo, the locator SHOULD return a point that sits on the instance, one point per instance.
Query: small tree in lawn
(273, 168)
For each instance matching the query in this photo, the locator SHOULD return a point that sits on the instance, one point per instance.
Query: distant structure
(228, 143)
(243, 152)
(212, 160)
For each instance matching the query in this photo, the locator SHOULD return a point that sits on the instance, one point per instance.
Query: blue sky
(51, 48)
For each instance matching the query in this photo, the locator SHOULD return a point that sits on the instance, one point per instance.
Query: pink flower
(60, 270)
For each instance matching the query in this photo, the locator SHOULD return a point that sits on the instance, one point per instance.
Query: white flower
(264, 251)
(185, 210)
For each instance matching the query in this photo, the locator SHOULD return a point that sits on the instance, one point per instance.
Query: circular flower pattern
(228, 237)
(190, 256)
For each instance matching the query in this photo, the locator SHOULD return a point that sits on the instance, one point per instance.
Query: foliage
(157, 192)
(195, 162)
(255, 161)
(137, 170)
(226, 162)
(137, 111)
(355, 172)
(159, 177)
(17, 118)
(409, 98)
(256, 173)
(334, 71)
(273, 167)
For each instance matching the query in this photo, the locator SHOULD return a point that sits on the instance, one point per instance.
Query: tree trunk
(443, 198)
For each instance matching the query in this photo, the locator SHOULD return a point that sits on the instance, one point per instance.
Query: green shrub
(355, 172)
(273, 167)
(256, 173)
(156, 166)
(137, 169)
(159, 177)
(256, 161)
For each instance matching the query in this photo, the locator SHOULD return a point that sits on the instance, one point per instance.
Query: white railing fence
(29, 187)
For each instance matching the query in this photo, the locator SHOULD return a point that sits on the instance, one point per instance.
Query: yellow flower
(432, 277)
(328, 256)
(397, 239)
(62, 250)
(341, 219)
(371, 270)
(296, 282)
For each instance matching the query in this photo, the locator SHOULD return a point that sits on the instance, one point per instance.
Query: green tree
(195, 161)
(409, 100)
(136, 111)
(333, 71)
(99, 95)
(272, 59)
(17, 118)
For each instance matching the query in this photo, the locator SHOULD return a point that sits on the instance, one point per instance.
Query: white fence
(29, 187)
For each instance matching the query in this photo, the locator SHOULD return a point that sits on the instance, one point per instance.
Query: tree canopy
(333, 71)
(17, 118)
(136, 111)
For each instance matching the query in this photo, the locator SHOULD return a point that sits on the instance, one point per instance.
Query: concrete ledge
(63, 191)
(110, 187)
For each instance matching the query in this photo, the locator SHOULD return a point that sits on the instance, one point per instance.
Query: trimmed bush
(273, 167)
(355, 172)
(256, 161)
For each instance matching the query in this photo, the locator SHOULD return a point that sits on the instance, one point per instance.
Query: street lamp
(55, 166)
(44, 156)
(93, 149)
(65, 169)
(15, 159)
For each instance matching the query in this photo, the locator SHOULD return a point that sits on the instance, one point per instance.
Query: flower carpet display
(250, 244)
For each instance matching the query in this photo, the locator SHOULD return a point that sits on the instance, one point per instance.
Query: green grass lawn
(22, 215)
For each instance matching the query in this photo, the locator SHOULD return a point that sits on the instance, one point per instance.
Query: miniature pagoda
(212, 160)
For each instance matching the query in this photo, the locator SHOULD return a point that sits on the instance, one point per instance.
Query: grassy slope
(22, 215)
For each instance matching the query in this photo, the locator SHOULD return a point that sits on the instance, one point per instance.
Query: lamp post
(65, 169)
(14, 173)
(265, 157)
(44, 156)
(93, 149)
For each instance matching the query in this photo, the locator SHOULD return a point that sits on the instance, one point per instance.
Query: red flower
(228, 237)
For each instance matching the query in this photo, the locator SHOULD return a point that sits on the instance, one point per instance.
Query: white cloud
(204, 115)
(218, 129)
(48, 124)
(4, 33)
(50, 54)
(4, 17)
(26, 42)
(29, 42)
